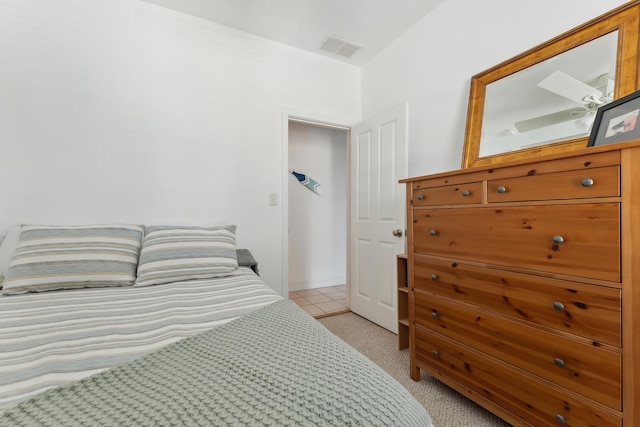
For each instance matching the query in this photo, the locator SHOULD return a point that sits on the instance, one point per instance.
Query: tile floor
(322, 302)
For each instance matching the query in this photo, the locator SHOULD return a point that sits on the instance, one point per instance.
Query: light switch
(273, 199)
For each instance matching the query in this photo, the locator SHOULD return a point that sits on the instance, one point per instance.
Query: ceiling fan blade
(550, 119)
(569, 87)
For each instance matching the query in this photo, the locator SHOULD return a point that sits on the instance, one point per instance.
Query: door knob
(397, 233)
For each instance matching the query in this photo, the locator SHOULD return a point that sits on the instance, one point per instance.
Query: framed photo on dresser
(616, 121)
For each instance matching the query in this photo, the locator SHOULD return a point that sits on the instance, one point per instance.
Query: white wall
(317, 223)
(120, 110)
(431, 65)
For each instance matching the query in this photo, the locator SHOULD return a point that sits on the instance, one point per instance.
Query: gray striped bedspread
(275, 366)
(53, 338)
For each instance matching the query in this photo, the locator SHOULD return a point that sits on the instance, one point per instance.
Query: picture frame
(616, 121)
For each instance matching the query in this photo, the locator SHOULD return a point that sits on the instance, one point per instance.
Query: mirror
(553, 100)
(544, 100)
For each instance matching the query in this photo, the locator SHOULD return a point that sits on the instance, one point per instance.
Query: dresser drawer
(514, 391)
(447, 195)
(593, 312)
(578, 240)
(578, 184)
(584, 368)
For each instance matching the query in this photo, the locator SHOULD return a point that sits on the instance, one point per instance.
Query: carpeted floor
(447, 407)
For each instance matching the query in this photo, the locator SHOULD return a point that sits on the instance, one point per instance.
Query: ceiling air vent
(338, 46)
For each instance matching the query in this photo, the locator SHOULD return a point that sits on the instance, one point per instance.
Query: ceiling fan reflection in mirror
(566, 86)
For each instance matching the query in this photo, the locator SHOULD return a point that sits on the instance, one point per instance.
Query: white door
(378, 160)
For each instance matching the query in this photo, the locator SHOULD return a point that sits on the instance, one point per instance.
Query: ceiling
(305, 24)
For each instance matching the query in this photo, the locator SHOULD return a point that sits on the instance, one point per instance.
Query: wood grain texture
(522, 399)
(486, 284)
(592, 312)
(523, 237)
(630, 284)
(403, 301)
(585, 368)
(413, 367)
(599, 182)
(466, 193)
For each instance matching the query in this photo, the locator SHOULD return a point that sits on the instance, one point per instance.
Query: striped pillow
(48, 258)
(7, 248)
(173, 254)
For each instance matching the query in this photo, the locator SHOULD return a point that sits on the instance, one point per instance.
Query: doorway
(318, 217)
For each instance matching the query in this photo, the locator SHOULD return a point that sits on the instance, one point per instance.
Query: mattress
(49, 339)
(222, 351)
(274, 366)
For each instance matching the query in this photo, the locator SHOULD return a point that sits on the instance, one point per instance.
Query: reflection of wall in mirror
(534, 138)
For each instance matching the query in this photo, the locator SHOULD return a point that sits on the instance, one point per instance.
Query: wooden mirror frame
(625, 19)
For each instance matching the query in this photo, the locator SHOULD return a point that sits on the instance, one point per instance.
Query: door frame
(315, 119)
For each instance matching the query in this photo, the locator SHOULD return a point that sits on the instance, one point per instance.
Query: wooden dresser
(524, 285)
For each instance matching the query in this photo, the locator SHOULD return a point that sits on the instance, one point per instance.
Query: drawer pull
(558, 362)
(502, 189)
(434, 314)
(586, 182)
(558, 306)
(420, 197)
(560, 419)
(435, 353)
(434, 277)
(433, 232)
(558, 239)
(465, 193)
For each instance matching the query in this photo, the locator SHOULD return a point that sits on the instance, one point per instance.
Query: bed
(132, 325)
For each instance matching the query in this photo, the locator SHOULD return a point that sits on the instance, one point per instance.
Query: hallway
(322, 302)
